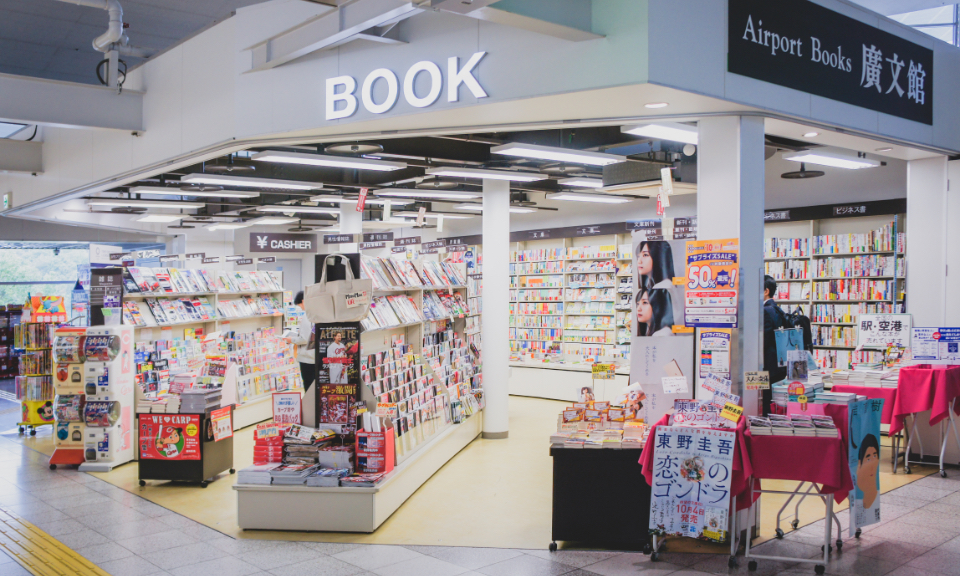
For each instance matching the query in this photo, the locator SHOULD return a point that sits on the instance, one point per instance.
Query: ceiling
(52, 39)
(891, 7)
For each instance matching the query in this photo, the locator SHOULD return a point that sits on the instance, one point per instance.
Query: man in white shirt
(304, 339)
(336, 349)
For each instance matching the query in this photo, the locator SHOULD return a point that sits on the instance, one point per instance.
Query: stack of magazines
(386, 311)
(137, 280)
(363, 480)
(327, 477)
(292, 474)
(759, 426)
(442, 274)
(390, 273)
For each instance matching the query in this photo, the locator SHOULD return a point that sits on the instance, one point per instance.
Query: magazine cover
(338, 371)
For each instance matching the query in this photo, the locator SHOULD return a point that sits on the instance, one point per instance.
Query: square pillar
(496, 307)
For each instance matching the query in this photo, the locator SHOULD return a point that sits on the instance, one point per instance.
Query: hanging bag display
(340, 300)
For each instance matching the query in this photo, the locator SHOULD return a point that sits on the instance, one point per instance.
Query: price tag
(675, 384)
(757, 380)
(732, 412)
(385, 409)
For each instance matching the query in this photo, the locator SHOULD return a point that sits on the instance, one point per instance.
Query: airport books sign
(804, 46)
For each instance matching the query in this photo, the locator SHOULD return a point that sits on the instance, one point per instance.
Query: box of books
(376, 451)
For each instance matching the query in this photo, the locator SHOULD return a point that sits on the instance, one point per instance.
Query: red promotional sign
(363, 200)
(169, 436)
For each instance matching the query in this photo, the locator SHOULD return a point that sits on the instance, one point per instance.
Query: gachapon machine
(108, 381)
(68, 386)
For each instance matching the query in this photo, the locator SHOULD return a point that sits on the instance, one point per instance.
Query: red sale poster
(170, 436)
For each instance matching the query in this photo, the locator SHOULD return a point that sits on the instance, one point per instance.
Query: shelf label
(759, 380)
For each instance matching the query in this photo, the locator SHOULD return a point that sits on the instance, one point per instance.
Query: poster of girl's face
(658, 304)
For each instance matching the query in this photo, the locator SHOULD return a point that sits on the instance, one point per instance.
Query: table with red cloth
(888, 395)
(925, 387)
(812, 459)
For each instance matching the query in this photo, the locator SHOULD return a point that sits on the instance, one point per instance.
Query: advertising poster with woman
(658, 349)
(863, 450)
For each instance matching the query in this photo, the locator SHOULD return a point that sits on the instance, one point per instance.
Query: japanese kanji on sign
(878, 331)
(713, 282)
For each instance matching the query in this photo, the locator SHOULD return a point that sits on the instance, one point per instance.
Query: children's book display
(33, 340)
(592, 424)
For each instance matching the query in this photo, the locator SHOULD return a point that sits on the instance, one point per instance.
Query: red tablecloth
(925, 387)
(740, 483)
(804, 459)
(889, 396)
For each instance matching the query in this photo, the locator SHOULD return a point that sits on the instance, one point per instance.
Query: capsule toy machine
(109, 390)
(69, 400)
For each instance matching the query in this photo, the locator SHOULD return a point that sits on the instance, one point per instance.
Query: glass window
(28, 271)
(941, 15)
(944, 33)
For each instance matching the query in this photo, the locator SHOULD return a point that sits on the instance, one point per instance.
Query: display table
(927, 387)
(618, 500)
(555, 381)
(889, 397)
(214, 456)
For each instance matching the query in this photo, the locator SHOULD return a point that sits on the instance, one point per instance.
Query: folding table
(927, 387)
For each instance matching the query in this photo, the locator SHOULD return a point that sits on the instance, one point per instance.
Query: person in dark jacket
(773, 318)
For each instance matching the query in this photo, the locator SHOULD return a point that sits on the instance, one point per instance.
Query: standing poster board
(692, 474)
(863, 451)
(713, 283)
(287, 408)
(879, 331)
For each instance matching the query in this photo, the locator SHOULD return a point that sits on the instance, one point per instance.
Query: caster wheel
(779, 533)
(553, 547)
(53, 466)
(752, 565)
(819, 569)
(655, 557)
(22, 429)
(647, 548)
(143, 483)
(33, 432)
(795, 523)
(857, 534)
(204, 484)
(830, 550)
(906, 469)
(732, 563)
(233, 471)
(943, 473)
(839, 545)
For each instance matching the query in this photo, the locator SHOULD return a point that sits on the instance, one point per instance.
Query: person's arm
(302, 336)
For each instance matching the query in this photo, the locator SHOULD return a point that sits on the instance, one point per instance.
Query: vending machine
(108, 381)
(68, 386)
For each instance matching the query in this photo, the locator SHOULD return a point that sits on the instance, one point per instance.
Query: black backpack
(796, 319)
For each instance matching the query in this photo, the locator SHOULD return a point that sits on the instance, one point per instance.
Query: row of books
(590, 294)
(536, 308)
(576, 253)
(539, 255)
(793, 291)
(386, 311)
(834, 336)
(788, 269)
(625, 284)
(546, 334)
(33, 388)
(847, 313)
(537, 295)
(590, 308)
(793, 425)
(442, 274)
(36, 363)
(537, 321)
(879, 240)
(871, 375)
(786, 247)
(591, 280)
(589, 337)
(264, 304)
(389, 273)
(33, 335)
(536, 281)
(853, 290)
(593, 266)
(528, 346)
(440, 305)
(523, 269)
(589, 322)
(844, 359)
(475, 305)
(173, 280)
(868, 265)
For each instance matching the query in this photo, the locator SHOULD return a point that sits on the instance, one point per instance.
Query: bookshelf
(857, 267)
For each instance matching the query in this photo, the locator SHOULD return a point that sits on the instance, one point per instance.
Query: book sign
(879, 331)
(936, 345)
(731, 412)
(757, 380)
(287, 408)
(222, 422)
(693, 469)
(713, 283)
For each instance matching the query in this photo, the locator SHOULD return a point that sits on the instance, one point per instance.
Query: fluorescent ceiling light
(228, 226)
(161, 218)
(833, 159)
(271, 220)
(557, 154)
(656, 105)
(672, 131)
(8, 129)
(479, 208)
(341, 199)
(811, 134)
(328, 161)
(446, 216)
(486, 174)
(301, 209)
(576, 197)
(220, 180)
(143, 203)
(162, 191)
(582, 181)
(432, 194)
(884, 149)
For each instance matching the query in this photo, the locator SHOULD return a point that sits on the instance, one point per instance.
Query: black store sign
(800, 45)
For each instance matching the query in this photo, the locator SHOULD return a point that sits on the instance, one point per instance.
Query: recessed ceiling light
(811, 134)
(833, 159)
(577, 197)
(143, 203)
(341, 199)
(271, 221)
(434, 215)
(161, 218)
(433, 194)
(161, 191)
(582, 182)
(328, 161)
(656, 105)
(884, 149)
(248, 181)
(557, 154)
(486, 174)
(672, 131)
(303, 209)
(479, 208)
(228, 226)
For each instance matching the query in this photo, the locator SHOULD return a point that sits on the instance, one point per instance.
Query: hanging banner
(879, 331)
(658, 351)
(863, 451)
(713, 283)
(936, 345)
(169, 436)
(693, 469)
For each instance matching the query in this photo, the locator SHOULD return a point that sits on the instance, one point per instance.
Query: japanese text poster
(879, 331)
(863, 452)
(692, 474)
(936, 345)
(169, 436)
(713, 283)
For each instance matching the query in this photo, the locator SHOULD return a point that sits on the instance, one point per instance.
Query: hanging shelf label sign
(406, 241)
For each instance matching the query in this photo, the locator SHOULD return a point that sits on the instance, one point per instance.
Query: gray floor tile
(926, 516)
(104, 552)
(226, 566)
(527, 565)
(575, 558)
(282, 554)
(856, 565)
(82, 539)
(471, 558)
(931, 536)
(892, 551)
(159, 541)
(62, 492)
(176, 520)
(58, 528)
(13, 569)
(786, 548)
(198, 532)
(90, 513)
(921, 492)
(420, 566)
(4, 558)
(130, 566)
(938, 561)
(183, 555)
(238, 546)
(331, 548)
(376, 556)
(951, 545)
(319, 566)
(715, 564)
(131, 529)
(87, 498)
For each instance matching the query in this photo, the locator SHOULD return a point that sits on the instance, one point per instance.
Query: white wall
(836, 186)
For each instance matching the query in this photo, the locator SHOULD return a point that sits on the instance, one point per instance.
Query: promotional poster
(338, 353)
(170, 436)
(657, 350)
(712, 270)
(863, 450)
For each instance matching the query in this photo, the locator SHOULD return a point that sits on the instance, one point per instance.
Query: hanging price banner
(362, 201)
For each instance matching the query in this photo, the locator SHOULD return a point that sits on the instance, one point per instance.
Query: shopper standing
(773, 318)
(304, 339)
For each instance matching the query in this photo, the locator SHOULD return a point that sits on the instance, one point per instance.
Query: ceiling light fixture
(884, 149)
(833, 159)
(434, 215)
(250, 182)
(811, 134)
(301, 209)
(227, 226)
(672, 131)
(656, 105)
(271, 221)
(557, 154)
(432, 194)
(341, 200)
(454, 172)
(161, 191)
(479, 208)
(598, 198)
(143, 203)
(161, 218)
(355, 163)
(582, 182)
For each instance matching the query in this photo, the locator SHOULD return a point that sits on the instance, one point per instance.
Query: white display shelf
(828, 278)
(339, 509)
(781, 258)
(849, 254)
(182, 294)
(385, 328)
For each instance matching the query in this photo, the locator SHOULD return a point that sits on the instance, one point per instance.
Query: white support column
(351, 222)
(496, 307)
(730, 199)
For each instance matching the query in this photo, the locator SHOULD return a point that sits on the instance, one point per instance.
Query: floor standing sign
(863, 451)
